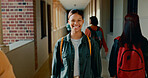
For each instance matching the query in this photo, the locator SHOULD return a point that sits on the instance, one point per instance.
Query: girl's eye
(72, 20)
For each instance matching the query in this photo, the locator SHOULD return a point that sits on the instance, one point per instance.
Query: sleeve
(6, 70)
(88, 32)
(104, 43)
(145, 53)
(113, 59)
(96, 60)
(56, 61)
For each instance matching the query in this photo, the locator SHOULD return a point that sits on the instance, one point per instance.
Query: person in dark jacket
(131, 35)
(94, 22)
(77, 61)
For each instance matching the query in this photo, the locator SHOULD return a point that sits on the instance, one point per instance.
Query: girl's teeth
(76, 26)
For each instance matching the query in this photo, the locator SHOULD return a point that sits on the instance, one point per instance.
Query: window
(43, 20)
(49, 27)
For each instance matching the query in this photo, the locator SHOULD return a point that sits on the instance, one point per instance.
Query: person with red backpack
(96, 33)
(129, 54)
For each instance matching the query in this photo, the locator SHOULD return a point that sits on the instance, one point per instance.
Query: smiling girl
(76, 60)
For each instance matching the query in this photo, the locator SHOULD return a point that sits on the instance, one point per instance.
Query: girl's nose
(75, 22)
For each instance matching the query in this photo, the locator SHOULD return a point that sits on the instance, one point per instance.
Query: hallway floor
(45, 70)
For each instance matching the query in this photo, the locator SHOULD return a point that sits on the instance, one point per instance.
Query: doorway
(49, 27)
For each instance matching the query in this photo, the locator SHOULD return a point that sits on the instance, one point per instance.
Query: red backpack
(130, 62)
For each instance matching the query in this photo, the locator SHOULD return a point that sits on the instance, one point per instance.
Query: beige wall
(118, 17)
(59, 15)
(98, 8)
(57, 35)
(86, 17)
(143, 15)
(22, 60)
(59, 22)
(105, 16)
(42, 44)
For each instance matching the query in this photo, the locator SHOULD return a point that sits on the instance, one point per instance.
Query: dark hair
(73, 11)
(94, 20)
(131, 32)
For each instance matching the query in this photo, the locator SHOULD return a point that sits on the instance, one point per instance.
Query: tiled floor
(45, 70)
(105, 73)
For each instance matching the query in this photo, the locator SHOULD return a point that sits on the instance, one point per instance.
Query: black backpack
(97, 35)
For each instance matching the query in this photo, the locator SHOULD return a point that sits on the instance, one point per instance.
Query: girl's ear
(83, 20)
(89, 21)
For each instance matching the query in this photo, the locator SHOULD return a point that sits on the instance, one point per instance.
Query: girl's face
(76, 21)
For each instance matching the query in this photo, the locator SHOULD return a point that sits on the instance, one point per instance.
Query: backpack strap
(98, 28)
(90, 28)
(89, 44)
(61, 48)
(62, 45)
(117, 38)
(92, 31)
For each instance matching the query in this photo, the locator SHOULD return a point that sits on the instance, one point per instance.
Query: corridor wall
(119, 11)
(59, 22)
(143, 15)
(28, 59)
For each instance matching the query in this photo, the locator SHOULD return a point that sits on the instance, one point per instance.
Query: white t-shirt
(76, 44)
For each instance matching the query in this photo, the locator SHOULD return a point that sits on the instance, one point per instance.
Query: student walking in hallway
(129, 54)
(79, 57)
(96, 32)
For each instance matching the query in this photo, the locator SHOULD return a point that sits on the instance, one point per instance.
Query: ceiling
(74, 4)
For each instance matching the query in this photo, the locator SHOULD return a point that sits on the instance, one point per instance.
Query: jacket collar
(84, 38)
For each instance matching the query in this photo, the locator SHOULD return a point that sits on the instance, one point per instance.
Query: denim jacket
(90, 65)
